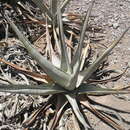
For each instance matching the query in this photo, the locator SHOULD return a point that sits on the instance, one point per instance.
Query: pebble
(115, 25)
(129, 64)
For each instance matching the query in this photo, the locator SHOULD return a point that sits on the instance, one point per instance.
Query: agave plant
(69, 80)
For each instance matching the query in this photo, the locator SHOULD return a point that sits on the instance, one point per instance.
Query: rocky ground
(114, 17)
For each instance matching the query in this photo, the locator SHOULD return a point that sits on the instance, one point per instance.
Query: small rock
(115, 25)
(129, 64)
